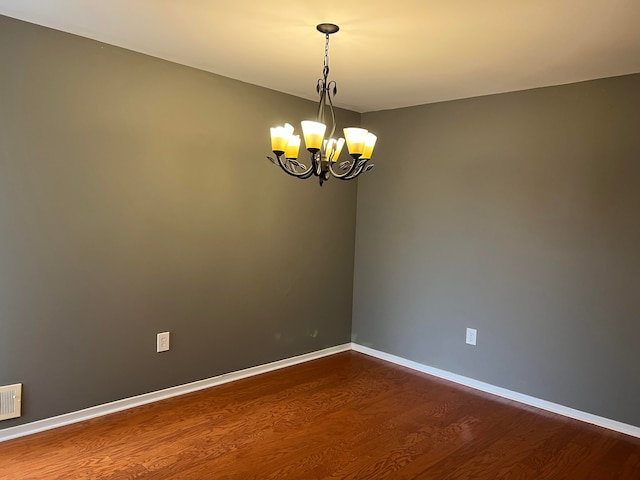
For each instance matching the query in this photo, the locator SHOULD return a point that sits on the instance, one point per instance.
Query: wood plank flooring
(347, 416)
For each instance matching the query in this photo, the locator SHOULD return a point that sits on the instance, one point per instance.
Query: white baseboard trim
(503, 392)
(119, 405)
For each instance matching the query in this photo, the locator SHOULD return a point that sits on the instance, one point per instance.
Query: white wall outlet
(10, 401)
(472, 334)
(162, 342)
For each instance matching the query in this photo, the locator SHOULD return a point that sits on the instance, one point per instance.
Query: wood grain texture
(348, 416)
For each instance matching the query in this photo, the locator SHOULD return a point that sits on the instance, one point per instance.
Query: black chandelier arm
(288, 166)
(364, 168)
(332, 86)
(321, 88)
(356, 169)
(326, 92)
(316, 161)
(345, 175)
(290, 170)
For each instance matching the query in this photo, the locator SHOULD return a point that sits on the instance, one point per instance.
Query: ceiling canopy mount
(327, 28)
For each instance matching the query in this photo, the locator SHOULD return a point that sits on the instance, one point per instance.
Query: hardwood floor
(347, 416)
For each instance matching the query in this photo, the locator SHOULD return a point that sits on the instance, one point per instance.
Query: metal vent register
(10, 397)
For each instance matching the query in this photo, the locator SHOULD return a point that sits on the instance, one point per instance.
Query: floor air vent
(10, 397)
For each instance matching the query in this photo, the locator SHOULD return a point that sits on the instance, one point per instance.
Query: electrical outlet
(472, 335)
(10, 399)
(162, 342)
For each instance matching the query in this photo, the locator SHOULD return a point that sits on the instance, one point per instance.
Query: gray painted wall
(517, 214)
(135, 197)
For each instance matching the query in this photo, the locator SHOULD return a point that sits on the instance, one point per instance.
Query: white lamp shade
(369, 143)
(313, 134)
(292, 147)
(355, 138)
(288, 129)
(280, 137)
(332, 148)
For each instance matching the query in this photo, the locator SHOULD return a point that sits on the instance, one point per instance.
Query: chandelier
(323, 153)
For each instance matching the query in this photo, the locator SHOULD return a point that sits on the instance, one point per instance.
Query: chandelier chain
(325, 70)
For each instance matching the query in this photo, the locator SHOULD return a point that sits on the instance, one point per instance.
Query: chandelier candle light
(323, 152)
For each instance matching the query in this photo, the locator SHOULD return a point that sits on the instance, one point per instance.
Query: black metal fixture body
(321, 166)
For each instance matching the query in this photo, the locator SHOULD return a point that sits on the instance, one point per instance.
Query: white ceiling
(387, 54)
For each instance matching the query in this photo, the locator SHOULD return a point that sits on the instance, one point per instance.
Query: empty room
(449, 289)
